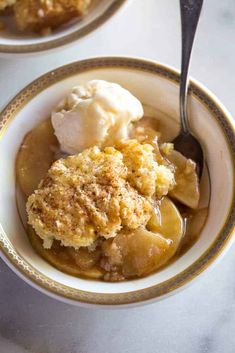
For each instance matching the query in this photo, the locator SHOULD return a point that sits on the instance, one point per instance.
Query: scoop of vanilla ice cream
(95, 113)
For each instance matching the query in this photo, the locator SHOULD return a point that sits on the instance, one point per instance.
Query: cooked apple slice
(196, 223)
(186, 189)
(168, 221)
(76, 263)
(142, 251)
(84, 258)
(35, 156)
(137, 253)
(194, 227)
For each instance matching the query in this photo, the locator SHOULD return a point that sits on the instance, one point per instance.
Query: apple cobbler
(44, 15)
(106, 198)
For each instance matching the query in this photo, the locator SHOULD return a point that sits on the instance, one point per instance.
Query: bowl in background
(156, 86)
(13, 41)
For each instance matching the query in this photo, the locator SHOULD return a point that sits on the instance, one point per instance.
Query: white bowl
(12, 41)
(156, 85)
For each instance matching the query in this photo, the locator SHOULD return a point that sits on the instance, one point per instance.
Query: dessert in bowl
(115, 216)
(106, 210)
(28, 26)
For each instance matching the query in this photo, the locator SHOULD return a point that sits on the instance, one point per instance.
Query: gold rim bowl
(154, 84)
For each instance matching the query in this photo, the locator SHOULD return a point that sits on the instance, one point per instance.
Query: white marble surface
(200, 319)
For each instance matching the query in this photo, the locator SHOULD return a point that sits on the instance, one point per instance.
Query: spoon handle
(190, 13)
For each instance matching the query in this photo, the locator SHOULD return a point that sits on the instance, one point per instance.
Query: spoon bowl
(185, 142)
(189, 146)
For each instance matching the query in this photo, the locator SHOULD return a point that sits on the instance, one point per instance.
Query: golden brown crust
(144, 172)
(85, 197)
(38, 15)
(141, 164)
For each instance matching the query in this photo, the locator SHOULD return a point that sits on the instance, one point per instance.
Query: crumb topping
(94, 194)
(38, 15)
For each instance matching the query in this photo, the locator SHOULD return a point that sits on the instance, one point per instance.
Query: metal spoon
(185, 142)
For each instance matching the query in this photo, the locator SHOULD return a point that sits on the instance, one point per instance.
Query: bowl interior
(160, 94)
(11, 38)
